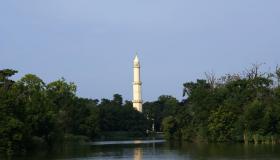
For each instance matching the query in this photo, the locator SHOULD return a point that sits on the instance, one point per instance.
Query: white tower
(137, 90)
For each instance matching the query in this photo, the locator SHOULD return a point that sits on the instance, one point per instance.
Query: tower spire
(137, 85)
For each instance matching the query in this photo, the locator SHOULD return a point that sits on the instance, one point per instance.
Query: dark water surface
(157, 150)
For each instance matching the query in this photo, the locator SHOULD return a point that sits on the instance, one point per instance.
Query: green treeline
(234, 108)
(33, 113)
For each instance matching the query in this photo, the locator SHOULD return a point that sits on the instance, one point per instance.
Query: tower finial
(136, 59)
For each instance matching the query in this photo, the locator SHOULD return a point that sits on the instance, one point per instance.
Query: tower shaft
(137, 86)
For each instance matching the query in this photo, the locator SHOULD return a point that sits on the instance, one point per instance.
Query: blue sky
(93, 42)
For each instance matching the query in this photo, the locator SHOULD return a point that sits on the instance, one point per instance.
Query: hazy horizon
(92, 43)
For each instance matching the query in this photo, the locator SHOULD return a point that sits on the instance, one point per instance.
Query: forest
(243, 108)
(33, 113)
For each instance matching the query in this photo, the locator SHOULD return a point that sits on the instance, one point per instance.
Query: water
(158, 150)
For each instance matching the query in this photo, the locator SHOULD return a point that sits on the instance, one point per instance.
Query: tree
(118, 100)
(5, 81)
(221, 125)
(87, 118)
(63, 96)
(155, 111)
(169, 127)
(40, 118)
(13, 133)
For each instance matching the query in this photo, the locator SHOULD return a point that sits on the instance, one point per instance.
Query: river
(157, 150)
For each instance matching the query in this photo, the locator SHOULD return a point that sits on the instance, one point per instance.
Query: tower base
(137, 105)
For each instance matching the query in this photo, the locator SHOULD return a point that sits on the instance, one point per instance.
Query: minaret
(137, 90)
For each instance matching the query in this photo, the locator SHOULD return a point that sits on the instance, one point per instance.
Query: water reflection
(102, 143)
(138, 154)
(142, 150)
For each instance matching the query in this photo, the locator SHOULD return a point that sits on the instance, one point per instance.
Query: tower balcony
(136, 65)
(137, 83)
(137, 101)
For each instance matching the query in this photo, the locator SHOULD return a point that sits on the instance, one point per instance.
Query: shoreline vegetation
(235, 108)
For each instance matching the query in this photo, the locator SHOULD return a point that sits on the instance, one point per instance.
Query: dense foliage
(33, 112)
(232, 108)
